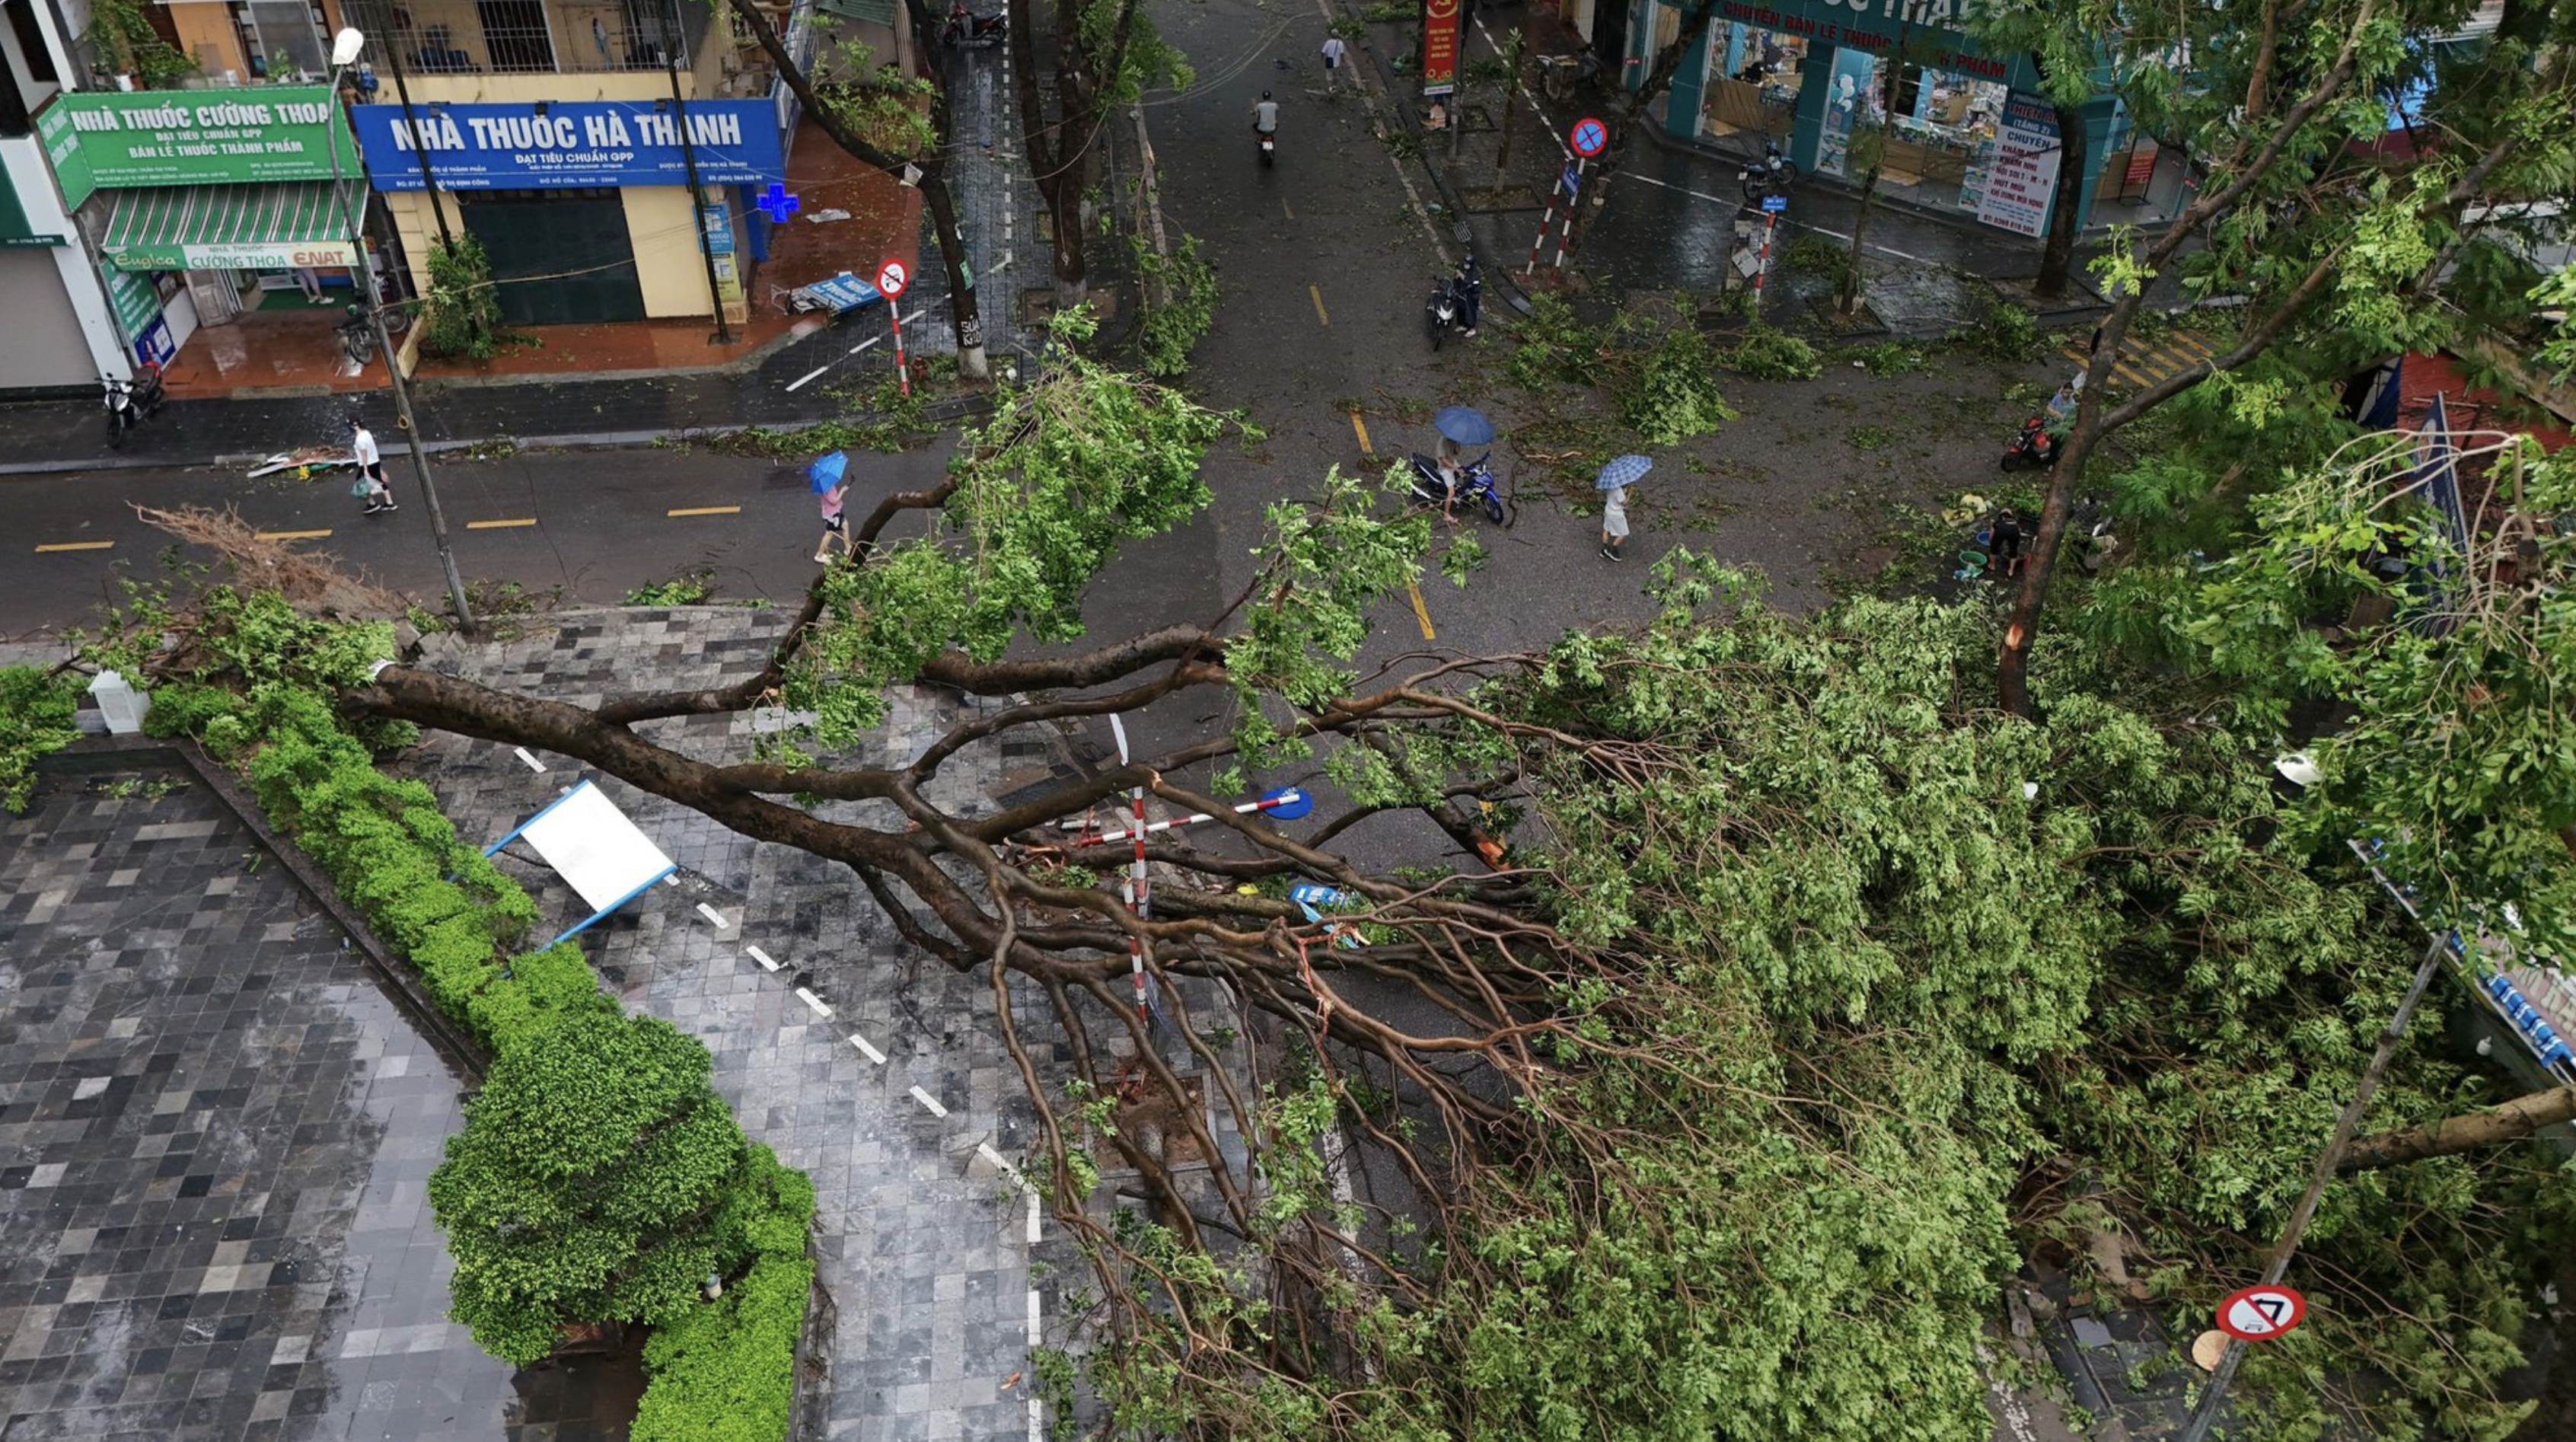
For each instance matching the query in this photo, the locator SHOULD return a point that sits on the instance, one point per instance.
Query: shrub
(35, 721)
(1817, 255)
(1554, 348)
(2005, 332)
(1769, 355)
(1673, 395)
(461, 313)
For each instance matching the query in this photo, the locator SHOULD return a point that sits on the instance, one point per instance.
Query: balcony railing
(524, 37)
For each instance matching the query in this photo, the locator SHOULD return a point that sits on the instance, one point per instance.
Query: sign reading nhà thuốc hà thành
(565, 144)
(117, 140)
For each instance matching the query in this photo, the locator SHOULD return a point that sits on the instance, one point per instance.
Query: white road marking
(816, 1002)
(762, 957)
(929, 1103)
(711, 914)
(871, 1053)
(533, 763)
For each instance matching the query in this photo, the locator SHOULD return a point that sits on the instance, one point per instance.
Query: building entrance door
(567, 250)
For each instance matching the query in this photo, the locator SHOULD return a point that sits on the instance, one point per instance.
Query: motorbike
(971, 31)
(1771, 175)
(1268, 140)
(2033, 449)
(131, 403)
(1441, 311)
(1475, 486)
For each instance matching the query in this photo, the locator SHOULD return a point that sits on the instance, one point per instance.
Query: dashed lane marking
(512, 524)
(711, 914)
(929, 1103)
(762, 957)
(2149, 365)
(1318, 293)
(701, 511)
(816, 1002)
(292, 535)
(870, 1052)
(75, 546)
(533, 763)
(1421, 612)
(1362, 430)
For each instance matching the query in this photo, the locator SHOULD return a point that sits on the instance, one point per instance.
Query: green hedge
(35, 721)
(720, 1370)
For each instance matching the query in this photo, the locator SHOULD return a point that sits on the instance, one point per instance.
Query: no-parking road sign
(1589, 137)
(892, 277)
(2258, 1314)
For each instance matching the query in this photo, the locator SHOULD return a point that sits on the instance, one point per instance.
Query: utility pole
(420, 151)
(344, 52)
(697, 200)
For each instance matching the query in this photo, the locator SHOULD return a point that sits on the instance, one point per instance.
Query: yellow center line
(1318, 294)
(1365, 448)
(292, 535)
(512, 523)
(704, 511)
(1421, 612)
(75, 546)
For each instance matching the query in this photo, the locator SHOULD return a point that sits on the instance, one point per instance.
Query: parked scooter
(1771, 175)
(968, 30)
(1445, 310)
(131, 403)
(1475, 486)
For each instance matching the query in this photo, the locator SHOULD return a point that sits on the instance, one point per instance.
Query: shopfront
(206, 208)
(585, 207)
(1958, 130)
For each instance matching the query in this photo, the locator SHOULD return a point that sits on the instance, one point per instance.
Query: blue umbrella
(1623, 471)
(1464, 424)
(826, 471)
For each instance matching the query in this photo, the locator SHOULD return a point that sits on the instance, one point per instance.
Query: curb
(941, 412)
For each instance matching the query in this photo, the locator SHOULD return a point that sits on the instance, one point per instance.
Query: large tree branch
(2450, 1136)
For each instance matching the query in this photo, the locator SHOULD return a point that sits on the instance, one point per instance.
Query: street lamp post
(344, 53)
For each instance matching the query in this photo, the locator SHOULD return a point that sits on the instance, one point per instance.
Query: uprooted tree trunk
(965, 320)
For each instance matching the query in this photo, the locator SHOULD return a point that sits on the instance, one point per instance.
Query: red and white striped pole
(1546, 222)
(1573, 202)
(1289, 798)
(1137, 901)
(1762, 265)
(902, 372)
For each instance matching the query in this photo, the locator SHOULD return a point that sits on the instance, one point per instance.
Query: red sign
(892, 277)
(1588, 138)
(1439, 47)
(2258, 1314)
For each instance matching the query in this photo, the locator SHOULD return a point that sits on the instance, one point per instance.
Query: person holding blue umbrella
(828, 476)
(1459, 426)
(1613, 483)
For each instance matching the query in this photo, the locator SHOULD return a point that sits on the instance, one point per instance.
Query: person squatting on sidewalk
(371, 468)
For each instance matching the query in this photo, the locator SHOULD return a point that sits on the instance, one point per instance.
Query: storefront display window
(1754, 76)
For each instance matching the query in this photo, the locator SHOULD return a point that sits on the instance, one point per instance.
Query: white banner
(2024, 173)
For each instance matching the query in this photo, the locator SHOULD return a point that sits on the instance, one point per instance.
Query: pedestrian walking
(371, 469)
(1333, 51)
(836, 526)
(1613, 483)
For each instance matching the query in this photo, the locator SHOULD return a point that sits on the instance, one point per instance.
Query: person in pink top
(836, 527)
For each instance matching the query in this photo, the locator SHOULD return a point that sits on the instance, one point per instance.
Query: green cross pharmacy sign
(251, 135)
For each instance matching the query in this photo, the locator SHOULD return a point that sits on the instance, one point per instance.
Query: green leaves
(35, 721)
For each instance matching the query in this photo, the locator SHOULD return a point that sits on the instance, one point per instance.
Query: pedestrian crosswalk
(2143, 366)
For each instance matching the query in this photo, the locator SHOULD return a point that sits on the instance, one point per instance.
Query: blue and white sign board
(594, 848)
(1775, 203)
(574, 143)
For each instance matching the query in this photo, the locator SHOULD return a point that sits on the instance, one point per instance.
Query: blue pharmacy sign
(562, 144)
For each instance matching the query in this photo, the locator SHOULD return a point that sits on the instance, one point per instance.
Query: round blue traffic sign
(1287, 803)
(1589, 137)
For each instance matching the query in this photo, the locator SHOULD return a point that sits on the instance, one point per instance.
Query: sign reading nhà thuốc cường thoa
(571, 144)
(117, 140)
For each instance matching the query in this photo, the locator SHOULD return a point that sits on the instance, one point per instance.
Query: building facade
(1966, 131)
(61, 335)
(592, 148)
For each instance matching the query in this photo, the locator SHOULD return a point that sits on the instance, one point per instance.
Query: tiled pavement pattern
(925, 1244)
(215, 1135)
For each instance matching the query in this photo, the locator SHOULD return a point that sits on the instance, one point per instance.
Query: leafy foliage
(1672, 394)
(599, 1175)
(1044, 493)
(884, 107)
(1817, 255)
(1771, 355)
(2003, 332)
(1182, 305)
(121, 34)
(35, 721)
(461, 310)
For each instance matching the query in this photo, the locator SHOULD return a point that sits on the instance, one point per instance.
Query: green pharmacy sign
(112, 141)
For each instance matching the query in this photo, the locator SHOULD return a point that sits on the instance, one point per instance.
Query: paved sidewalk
(925, 1242)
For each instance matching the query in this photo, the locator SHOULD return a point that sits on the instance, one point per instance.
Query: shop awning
(276, 226)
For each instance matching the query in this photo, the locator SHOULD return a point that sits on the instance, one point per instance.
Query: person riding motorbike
(1265, 115)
